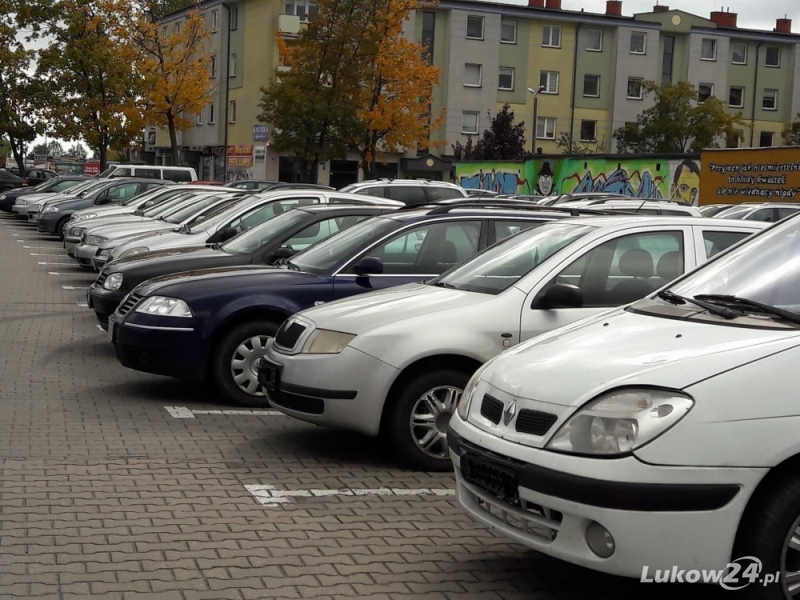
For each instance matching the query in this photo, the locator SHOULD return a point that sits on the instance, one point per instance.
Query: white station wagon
(397, 361)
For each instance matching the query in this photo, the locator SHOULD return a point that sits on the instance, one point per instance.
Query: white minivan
(176, 174)
(654, 439)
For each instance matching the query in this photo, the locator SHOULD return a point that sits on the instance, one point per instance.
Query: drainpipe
(227, 86)
(574, 84)
(755, 94)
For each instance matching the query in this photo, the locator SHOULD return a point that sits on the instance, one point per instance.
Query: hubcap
(244, 364)
(790, 562)
(429, 419)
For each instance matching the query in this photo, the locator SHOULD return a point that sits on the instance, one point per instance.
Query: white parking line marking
(40, 247)
(15, 235)
(43, 254)
(100, 327)
(181, 412)
(271, 497)
(56, 263)
(84, 305)
(68, 287)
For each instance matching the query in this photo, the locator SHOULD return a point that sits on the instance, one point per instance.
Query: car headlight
(105, 251)
(96, 240)
(51, 209)
(113, 282)
(134, 251)
(85, 217)
(19, 201)
(621, 421)
(163, 306)
(323, 341)
(466, 397)
(3, 196)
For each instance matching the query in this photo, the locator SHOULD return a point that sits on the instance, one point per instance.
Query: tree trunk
(17, 149)
(173, 140)
(103, 151)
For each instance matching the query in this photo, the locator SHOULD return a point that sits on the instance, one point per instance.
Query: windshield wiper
(443, 284)
(674, 298)
(292, 266)
(742, 303)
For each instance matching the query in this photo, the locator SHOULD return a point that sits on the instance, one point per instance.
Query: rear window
(717, 241)
(177, 175)
(410, 194)
(442, 193)
(120, 172)
(378, 191)
(149, 173)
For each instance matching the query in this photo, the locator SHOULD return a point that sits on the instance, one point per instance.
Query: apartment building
(581, 72)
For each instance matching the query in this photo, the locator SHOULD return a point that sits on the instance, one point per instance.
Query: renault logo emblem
(509, 412)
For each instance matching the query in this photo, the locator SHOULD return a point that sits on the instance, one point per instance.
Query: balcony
(289, 25)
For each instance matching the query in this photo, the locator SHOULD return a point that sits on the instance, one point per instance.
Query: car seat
(638, 264)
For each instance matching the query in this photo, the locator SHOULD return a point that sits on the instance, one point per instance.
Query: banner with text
(750, 175)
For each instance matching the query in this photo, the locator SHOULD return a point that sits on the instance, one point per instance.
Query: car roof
(326, 208)
(356, 198)
(391, 181)
(605, 221)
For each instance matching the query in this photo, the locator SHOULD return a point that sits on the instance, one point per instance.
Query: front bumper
(20, 211)
(659, 517)
(33, 217)
(86, 255)
(48, 222)
(345, 390)
(104, 302)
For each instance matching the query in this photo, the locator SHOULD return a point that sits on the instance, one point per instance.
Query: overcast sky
(753, 14)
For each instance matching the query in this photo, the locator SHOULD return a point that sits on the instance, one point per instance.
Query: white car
(408, 191)
(397, 361)
(638, 206)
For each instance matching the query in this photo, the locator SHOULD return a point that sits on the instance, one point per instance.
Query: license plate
(111, 331)
(490, 476)
(269, 374)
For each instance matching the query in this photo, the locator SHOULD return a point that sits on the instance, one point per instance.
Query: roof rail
(518, 205)
(634, 199)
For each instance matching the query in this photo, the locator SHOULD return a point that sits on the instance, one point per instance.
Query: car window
(436, 192)
(35, 174)
(627, 268)
(267, 211)
(410, 194)
(264, 185)
(121, 172)
(63, 185)
(320, 230)
(244, 185)
(179, 176)
(183, 213)
(504, 229)
(429, 249)
(678, 213)
(785, 212)
(377, 190)
(122, 192)
(338, 200)
(765, 215)
(145, 172)
(717, 241)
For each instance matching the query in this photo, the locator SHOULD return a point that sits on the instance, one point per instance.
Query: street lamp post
(535, 115)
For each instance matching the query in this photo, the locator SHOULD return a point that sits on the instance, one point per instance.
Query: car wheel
(419, 414)
(235, 362)
(770, 532)
(61, 228)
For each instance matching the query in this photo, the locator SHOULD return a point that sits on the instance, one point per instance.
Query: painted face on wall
(544, 183)
(686, 185)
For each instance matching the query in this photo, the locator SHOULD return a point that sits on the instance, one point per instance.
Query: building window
(594, 40)
(551, 36)
(234, 18)
(472, 75)
(732, 141)
(178, 27)
(232, 112)
(211, 115)
(704, 92)
(546, 128)
(200, 118)
(708, 50)
(668, 59)
(591, 86)
(428, 34)
(549, 81)
(213, 67)
(214, 20)
(508, 32)
(300, 8)
(474, 27)
(739, 54)
(506, 79)
(766, 139)
(736, 98)
(469, 122)
(773, 56)
(638, 42)
(635, 90)
(770, 101)
(232, 68)
(164, 32)
(588, 131)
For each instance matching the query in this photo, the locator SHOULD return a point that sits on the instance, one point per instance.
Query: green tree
(40, 149)
(791, 133)
(678, 123)
(503, 140)
(77, 150)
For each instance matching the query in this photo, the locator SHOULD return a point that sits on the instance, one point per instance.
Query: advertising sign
(260, 133)
(91, 168)
(750, 175)
(240, 163)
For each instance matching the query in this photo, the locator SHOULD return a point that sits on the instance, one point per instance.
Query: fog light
(600, 540)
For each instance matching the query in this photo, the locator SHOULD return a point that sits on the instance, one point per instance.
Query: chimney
(614, 8)
(536, 3)
(660, 8)
(724, 19)
(554, 4)
(784, 25)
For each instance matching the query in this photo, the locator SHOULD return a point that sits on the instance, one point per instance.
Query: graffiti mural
(637, 177)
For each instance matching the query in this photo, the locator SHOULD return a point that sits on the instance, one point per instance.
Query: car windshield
(189, 210)
(252, 239)
(341, 246)
(165, 208)
(45, 185)
(143, 196)
(766, 270)
(74, 190)
(499, 267)
(212, 222)
(95, 185)
(734, 213)
(210, 213)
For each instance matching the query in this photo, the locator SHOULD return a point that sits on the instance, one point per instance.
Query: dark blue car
(213, 324)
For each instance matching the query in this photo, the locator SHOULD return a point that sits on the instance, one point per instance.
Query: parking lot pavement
(117, 484)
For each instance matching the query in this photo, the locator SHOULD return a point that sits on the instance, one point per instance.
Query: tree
(678, 122)
(77, 150)
(173, 66)
(39, 149)
(503, 140)
(791, 133)
(568, 145)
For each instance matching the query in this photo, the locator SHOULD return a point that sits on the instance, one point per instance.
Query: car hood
(361, 313)
(571, 365)
(106, 220)
(124, 230)
(169, 238)
(227, 277)
(104, 212)
(173, 253)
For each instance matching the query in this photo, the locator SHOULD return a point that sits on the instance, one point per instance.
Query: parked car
(257, 209)
(35, 202)
(408, 191)
(673, 419)
(33, 177)
(214, 323)
(251, 184)
(639, 206)
(175, 174)
(768, 212)
(581, 197)
(9, 181)
(53, 185)
(276, 239)
(397, 361)
(711, 210)
(55, 216)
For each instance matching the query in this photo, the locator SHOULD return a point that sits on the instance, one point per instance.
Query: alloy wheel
(429, 418)
(790, 562)
(244, 364)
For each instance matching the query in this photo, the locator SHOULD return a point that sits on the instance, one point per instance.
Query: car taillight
(25, 182)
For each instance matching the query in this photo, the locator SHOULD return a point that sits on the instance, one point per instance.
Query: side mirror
(559, 295)
(102, 200)
(369, 265)
(283, 252)
(222, 235)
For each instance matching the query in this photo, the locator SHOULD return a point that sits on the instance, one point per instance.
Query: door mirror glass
(102, 200)
(559, 295)
(222, 235)
(369, 265)
(283, 252)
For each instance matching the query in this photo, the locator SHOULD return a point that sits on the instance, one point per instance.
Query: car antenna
(641, 206)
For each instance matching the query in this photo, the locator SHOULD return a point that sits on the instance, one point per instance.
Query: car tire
(431, 397)
(61, 228)
(240, 347)
(769, 524)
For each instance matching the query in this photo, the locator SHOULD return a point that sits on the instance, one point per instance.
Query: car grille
(101, 278)
(491, 408)
(287, 336)
(535, 422)
(130, 301)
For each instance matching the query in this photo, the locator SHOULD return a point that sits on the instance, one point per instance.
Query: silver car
(33, 202)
